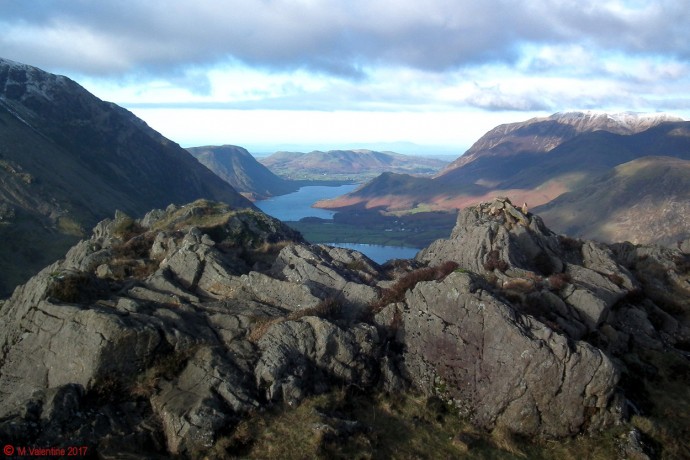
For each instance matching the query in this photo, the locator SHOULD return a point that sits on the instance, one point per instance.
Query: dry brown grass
(328, 308)
(504, 439)
(396, 293)
(558, 281)
(494, 262)
(262, 325)
(520, 284)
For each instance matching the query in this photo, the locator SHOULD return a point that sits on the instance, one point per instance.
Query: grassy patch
(201, 213)
(667, 423)
(352, 425)
(166, 366)
(69, 226)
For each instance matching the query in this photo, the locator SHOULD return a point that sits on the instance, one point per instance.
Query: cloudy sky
(268, 74)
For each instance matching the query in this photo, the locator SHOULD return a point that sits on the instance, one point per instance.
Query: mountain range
(236, 166)
(535, 162)
(348, 164)
(69, 159)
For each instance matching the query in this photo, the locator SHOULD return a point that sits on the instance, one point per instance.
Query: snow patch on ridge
(36, 81)
(621, 123)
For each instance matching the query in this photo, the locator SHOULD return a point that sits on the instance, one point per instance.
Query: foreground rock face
(514, 347)
(158, 336)
(502, 368)
(181, 343)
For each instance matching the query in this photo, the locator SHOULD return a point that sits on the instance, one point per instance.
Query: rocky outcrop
(529, 261)
(500, 367)
(514, 346)
(159, 336)
(165, 319)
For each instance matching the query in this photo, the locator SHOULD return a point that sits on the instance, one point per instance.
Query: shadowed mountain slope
(239, 168)
(68, 159)
(541, 135)
(642, 201)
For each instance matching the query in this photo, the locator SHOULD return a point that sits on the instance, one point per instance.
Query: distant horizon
(440, 151)
(404, 148)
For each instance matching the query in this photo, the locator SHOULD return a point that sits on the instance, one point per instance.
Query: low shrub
(570, 243)
(396, 293)
(494, 262)
(328, 308)
(558, 281)
(75, 288)
(616, 279)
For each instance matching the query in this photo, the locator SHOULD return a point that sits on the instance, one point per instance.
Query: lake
(297, 205)
(380, 254)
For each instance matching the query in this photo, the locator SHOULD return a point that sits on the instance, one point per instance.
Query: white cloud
(429, 60)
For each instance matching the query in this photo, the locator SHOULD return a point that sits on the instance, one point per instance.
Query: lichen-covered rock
(503, 368)
(311, 355)
(498, 236)
(329, 272)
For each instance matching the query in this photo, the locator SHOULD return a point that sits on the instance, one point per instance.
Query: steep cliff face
(68, 160)
(162, 335)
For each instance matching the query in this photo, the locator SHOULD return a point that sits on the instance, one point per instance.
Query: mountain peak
(621, 123)
(543, 134)
(69, 159)
(17, 81)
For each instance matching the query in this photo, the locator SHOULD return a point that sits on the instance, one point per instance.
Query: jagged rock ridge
(156, 336)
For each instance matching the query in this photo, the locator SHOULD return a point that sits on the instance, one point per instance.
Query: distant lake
(380, 254)
(295, 206)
